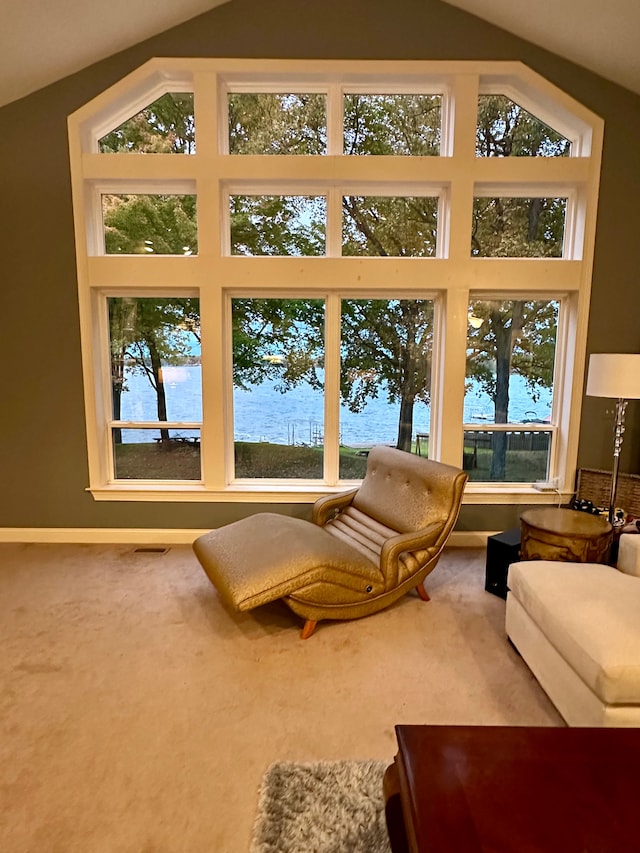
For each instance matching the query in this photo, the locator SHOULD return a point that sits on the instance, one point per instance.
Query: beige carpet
(139, 716)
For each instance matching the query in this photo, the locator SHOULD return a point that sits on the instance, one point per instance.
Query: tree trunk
(117, 382)
(156, 367)
(409, 371)
(405, 423)
(505, 336)
(535, 209)
(116, 397)
(116, 403)
(501, 397)
(501, 403)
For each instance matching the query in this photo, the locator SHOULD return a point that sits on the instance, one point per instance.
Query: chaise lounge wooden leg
(422, 592)
(308, 629)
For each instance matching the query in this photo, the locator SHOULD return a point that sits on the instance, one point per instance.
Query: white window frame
(452, 277)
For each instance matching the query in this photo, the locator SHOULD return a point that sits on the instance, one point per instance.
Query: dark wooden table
(514, 789)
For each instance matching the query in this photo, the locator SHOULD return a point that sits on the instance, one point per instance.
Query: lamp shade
(614, 375)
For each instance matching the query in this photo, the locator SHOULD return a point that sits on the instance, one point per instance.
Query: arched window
(346, 254)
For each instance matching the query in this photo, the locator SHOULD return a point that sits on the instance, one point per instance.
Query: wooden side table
(513, 789)
(564, 534)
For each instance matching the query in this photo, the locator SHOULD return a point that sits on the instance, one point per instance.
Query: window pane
(385, 379)
(392, 124)
(166, 126)
(504, 129)
(150, 224)
(278, 225)
(518, 227)
(278, 378)
(510, 366)
(277, 124)
(526, 455)
(389, 226)
(155, 366)
(155, 454)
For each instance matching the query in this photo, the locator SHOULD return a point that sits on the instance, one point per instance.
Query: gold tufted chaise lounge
(363, 550)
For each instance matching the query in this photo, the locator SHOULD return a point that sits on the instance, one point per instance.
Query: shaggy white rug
(322, 807)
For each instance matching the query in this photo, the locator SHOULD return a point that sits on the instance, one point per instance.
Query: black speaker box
(502, 550)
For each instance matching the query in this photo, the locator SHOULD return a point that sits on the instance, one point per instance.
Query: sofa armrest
(327, 507)
(629, 554)
(420, 540)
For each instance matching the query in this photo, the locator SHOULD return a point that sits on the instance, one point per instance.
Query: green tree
(166, 126)
(266, 123)
(281, 339)
(159, 223)
(386, 343)
(392, 124)
(518, 227)
(386, 349)
(277, 225)
(505, 129)
(151, 224)
(388, 226)
(515, 336)
(146, 333)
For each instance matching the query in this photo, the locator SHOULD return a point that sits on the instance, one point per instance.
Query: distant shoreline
(297, 416)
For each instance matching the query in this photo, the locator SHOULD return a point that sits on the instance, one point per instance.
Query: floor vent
(150, 550)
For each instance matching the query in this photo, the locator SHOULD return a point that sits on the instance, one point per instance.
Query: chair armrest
(326, 507)
(419, 540)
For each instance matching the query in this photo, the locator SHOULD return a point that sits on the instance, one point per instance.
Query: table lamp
(617, 376)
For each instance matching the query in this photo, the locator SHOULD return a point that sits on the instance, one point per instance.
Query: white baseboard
(161, 536)
(100, 535)
(470, 538)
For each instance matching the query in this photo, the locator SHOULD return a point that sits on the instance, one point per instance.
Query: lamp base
(618, 433)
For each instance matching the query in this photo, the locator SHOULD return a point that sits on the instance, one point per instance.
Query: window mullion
(217, 390)
(459, 202)
(565, 413)
(334, 119)
(334, 222)
(332, 389)
(448, 374)
(104, 399)
(210, 111)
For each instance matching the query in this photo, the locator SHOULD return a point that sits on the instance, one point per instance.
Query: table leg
(393, 811)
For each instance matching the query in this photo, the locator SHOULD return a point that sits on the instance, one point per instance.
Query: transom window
(355, 253)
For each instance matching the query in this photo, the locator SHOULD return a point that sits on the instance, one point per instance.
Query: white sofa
(577, 626)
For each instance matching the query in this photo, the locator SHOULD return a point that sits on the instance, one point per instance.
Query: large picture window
(353, 254)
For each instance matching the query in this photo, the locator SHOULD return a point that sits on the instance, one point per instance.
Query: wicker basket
(595, 486)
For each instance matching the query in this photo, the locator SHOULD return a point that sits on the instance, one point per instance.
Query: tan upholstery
(576, 626)
(363, 550)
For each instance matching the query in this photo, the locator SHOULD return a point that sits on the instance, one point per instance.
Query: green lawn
(261, 460)
(154, 461)
(273, 461)
(178, 461)
(522, 466)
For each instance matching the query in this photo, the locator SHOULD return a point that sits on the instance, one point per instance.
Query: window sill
(480, 493)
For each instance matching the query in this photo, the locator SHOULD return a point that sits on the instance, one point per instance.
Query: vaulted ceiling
(45, 41)
(600, 36)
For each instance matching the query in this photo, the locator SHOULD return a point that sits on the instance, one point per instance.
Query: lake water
(296, 417)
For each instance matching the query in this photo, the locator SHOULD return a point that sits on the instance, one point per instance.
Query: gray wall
(43, 462)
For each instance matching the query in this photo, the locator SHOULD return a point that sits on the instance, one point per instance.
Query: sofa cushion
(629, 554)
(590, 613)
